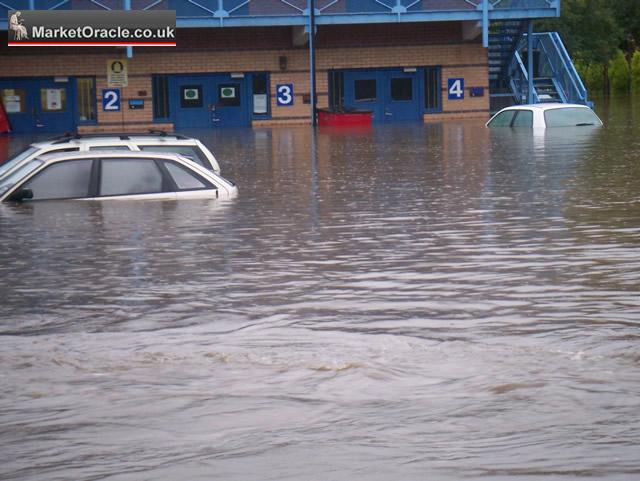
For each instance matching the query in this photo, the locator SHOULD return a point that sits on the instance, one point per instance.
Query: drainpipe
(312, 60)
(530, 60)
(127, 6)
(485, 23)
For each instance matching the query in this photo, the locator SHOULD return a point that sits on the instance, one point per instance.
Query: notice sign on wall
(117, 73)
(12, 101)
(53, 99)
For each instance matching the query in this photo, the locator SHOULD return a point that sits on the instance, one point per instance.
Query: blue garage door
(38, 105)
(210, 101)
(392, 95)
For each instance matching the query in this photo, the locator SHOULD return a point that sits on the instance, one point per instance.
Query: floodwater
(413, 302)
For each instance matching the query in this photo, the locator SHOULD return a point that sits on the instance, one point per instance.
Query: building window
(229, 95)
(401, 89)
(432, 90)
(14, 100)
(53, 100)
(260, 89)
(161, 97)
(365, 90)
(336, 90)
(191, 96)
(86, 99)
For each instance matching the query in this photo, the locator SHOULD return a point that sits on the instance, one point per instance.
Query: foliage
(589, 29)
(619, 74)
(635, 72)
(594, 78)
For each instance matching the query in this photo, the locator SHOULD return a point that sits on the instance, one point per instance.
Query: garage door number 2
(111, 100)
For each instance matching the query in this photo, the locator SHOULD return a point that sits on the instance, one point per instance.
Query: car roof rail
(67, 136)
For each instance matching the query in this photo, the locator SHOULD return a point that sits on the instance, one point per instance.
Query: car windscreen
(502, 119)
(9, 164)
(192, 152)
(10, 180)
(570, 117)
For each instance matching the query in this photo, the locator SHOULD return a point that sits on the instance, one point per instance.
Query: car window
(11, 179)
(571, 117)
(184, 179)
(503, 119)
(130, 176)
(109, 147)
(524, 118)
(15, 160)
(63, 180)
(192, 152)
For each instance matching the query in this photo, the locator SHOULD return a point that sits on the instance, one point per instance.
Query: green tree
(590, 29)
(627, 13)
(635, 72)
(619, 73)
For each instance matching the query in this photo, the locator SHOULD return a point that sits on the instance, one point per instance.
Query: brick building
(401, 64)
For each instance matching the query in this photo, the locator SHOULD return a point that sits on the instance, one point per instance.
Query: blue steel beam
(349, 19)
(226, 16)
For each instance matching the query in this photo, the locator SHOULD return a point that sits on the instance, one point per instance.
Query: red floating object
(355, 118)
(4, 120)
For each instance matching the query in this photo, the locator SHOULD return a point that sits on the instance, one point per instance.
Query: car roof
(546, 106)
(113, 137)
(56, 156)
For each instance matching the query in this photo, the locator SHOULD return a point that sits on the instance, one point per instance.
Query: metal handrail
(559, 65)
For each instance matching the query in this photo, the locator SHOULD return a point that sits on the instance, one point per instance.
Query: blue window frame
(260, 98)
(86, 100)
(160, 93)
(432, 89)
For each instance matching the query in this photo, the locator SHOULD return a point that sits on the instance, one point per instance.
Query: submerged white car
(156, 141)
(108, 175)
(545, 115)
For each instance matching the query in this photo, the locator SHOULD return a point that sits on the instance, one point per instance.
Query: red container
(356, 118)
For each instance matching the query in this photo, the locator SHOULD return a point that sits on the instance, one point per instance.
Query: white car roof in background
(546, 106)
(114, 138)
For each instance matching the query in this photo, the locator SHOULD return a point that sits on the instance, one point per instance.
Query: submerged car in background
(155, 141)
(545, 115)
(107, 175)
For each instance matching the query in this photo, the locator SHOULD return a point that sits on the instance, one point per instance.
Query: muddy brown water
(414, 302)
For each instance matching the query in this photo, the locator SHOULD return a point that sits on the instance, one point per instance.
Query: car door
(70, 179)
(189, 184)
(132, 178)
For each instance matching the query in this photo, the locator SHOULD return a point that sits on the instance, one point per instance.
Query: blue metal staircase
(555, 78)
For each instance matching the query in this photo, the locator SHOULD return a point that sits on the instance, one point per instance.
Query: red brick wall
(259, 49)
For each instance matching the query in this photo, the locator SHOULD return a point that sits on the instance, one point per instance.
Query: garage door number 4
(456, 88)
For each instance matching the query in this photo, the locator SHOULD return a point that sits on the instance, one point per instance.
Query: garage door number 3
(284, 95)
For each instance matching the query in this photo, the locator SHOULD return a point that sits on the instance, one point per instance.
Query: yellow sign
(117, 73)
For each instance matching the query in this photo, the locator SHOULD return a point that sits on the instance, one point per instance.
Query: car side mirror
(21, 194)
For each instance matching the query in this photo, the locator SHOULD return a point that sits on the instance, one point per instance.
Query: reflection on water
(410, 302)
